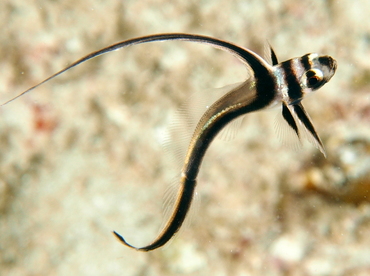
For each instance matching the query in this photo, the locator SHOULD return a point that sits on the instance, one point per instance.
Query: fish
(269, 85)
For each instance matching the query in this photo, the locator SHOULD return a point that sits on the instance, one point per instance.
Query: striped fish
(286, 83)
(283, 83)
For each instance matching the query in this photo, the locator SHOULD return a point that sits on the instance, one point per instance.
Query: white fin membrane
(305, 134)
(180, 132)
(267, 52)
(287, 136)
(169, 200)
(185, 120)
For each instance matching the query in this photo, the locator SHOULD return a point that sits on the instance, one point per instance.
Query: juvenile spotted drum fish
(285, 83)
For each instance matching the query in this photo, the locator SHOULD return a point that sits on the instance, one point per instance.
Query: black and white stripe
(304, 75)
(292, 68)
(285, 83)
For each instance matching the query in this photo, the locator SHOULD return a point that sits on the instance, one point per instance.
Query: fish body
(285, 83)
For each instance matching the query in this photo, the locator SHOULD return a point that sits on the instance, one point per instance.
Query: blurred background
(83, 154)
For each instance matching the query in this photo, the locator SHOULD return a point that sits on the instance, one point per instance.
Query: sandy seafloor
(82, 155)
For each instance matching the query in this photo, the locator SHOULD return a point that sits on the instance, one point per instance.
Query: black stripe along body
(285, 83)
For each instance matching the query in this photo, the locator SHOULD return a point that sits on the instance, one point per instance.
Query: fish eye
(314, 78)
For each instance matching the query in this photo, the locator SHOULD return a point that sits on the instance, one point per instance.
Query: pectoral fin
(304, 118)
(290, 119)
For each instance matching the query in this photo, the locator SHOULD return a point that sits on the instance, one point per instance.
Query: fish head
(320, 70)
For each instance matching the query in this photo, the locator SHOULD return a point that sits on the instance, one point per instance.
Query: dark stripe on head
(306, 62)
(294, 88)
(328, 61)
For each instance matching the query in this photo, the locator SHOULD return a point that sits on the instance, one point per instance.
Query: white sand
(82, 156)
